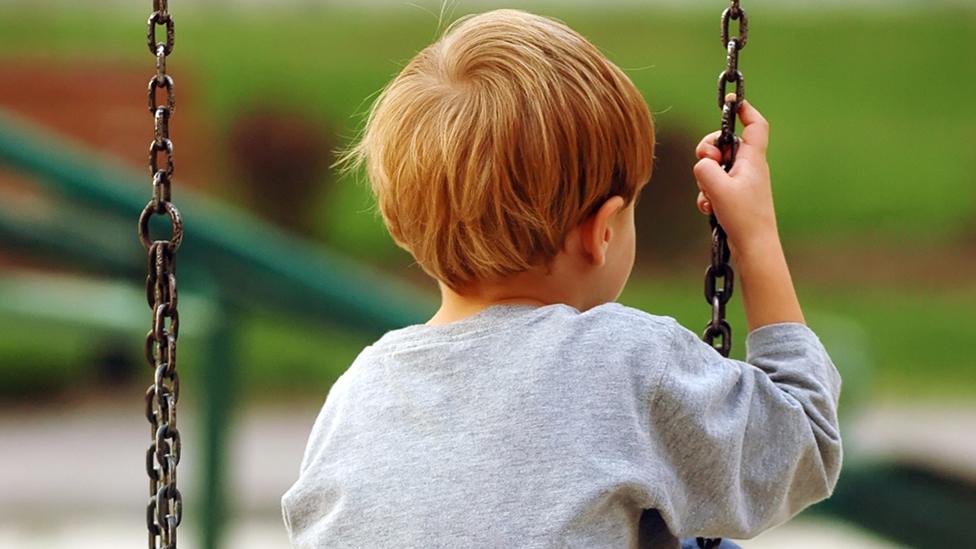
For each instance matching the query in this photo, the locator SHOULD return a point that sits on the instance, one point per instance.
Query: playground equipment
(720, 270)
(165, 509)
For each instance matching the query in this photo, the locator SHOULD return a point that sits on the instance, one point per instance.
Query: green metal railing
(232, 259)
(238, 249)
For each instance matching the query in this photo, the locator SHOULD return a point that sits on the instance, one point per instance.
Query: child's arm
(743, 202)
(747, 445)
(743, 446)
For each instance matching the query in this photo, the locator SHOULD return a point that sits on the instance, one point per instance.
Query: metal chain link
(719, 278)
(165, 509)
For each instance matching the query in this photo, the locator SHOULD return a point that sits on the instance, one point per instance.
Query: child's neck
(530, 288)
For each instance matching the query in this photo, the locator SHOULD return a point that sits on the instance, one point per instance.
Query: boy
(532, 411)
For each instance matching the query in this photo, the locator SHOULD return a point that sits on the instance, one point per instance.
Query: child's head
(500, 148)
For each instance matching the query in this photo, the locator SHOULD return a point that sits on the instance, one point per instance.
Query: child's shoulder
(629, 327)
(620, 316)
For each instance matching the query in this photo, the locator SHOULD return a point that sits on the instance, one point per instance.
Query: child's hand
(741, 199)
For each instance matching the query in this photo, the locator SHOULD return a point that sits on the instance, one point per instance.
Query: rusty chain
(165, 509)
(719, 277)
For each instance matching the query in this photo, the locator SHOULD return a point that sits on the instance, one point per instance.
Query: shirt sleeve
(745, 445)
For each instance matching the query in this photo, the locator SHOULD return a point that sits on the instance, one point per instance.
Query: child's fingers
(707, 141)
(756, 130)
(704, 206)
(707, 150)
(711, 177)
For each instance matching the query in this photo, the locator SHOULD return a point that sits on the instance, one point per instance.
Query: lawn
(870, 111)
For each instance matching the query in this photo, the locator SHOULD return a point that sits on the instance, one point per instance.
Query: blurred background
(286, 271)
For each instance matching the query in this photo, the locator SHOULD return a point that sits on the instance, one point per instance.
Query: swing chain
(164, 511)
(719, 277)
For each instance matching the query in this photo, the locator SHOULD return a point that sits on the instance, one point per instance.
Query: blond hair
(496, 140)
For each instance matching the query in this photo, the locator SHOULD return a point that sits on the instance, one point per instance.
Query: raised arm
(745, 445)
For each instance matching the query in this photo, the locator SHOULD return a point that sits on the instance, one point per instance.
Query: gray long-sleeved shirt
(545, 427)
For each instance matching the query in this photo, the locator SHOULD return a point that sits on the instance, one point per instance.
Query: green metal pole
(218, 384)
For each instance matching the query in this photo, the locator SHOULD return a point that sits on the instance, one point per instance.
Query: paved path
(75, 472)
(936, 436)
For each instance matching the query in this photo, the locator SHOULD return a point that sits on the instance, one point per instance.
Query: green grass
(870, 113)
(38, 357)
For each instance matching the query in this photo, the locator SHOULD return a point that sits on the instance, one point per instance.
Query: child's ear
(597, 230)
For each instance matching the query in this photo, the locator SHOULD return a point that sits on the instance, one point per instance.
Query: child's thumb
(711, 176)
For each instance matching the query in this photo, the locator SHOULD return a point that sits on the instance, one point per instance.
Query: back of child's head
(499, 138)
